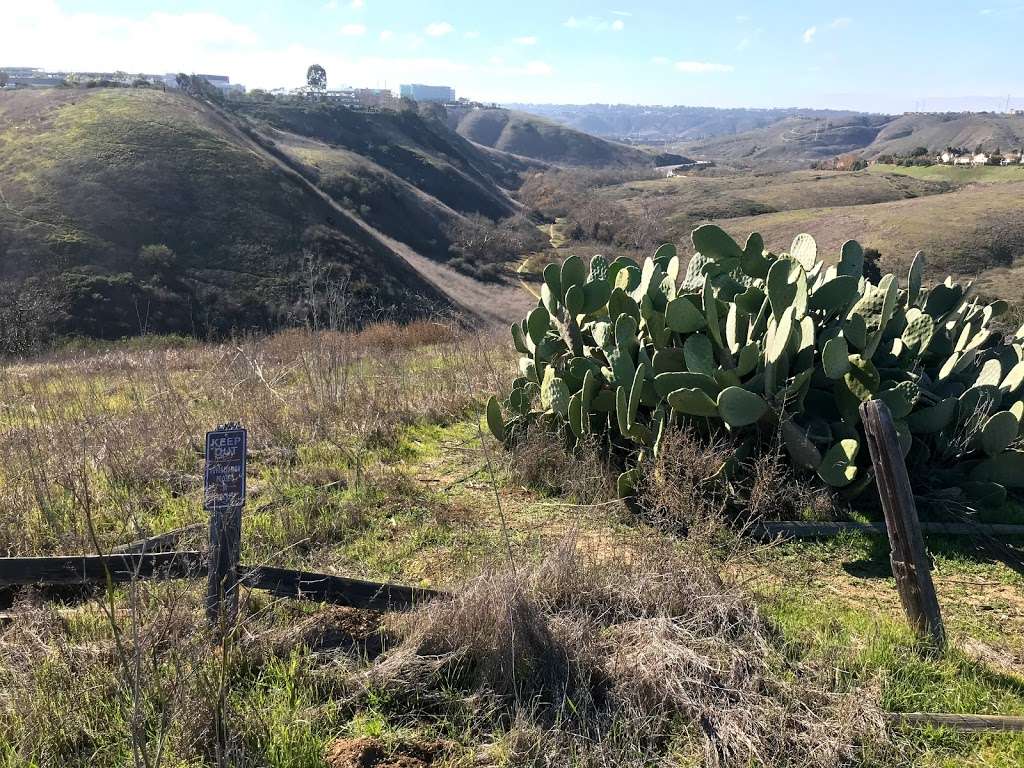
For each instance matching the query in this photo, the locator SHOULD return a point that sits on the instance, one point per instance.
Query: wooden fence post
(907, 555)
(224, 498)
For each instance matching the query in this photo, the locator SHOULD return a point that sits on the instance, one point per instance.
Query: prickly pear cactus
(758, 344)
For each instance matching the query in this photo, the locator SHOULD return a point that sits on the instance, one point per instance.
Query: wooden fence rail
(83, 570)
(771, 529)
(80, 570)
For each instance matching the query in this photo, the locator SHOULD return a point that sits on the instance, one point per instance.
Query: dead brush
(539, 460)
(679, 487)
(641, 659)
(683, 487)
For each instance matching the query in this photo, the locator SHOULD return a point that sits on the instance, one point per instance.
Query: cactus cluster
(761, 345)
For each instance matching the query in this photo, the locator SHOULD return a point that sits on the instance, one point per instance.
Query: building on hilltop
(419, 92)
(32, 77)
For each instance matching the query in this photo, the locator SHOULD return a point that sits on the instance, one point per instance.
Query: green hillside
(687, 200)
(984, 174)
(530, 136)
(90, 177)
(976, 232)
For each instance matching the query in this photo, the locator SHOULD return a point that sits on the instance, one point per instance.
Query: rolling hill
(135, 210)
(527, 135)
(793, 142)
(647, 123)
(975, 232)
(938, 131)
(796, 141)
(969, 227)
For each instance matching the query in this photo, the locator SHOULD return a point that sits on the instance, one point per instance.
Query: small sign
(225, 467)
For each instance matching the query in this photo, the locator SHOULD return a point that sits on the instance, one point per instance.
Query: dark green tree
(316, 77)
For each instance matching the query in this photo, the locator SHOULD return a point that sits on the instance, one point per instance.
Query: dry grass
(121, 430)
(644, 659)
(685, 485)
(540, 460)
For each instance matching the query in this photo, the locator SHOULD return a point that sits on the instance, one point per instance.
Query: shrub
(751, 345)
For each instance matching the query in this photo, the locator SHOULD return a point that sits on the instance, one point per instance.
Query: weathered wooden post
(224, 498)
(907, 555)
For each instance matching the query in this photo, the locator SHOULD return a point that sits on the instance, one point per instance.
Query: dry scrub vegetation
(115, 436)
(577, 633)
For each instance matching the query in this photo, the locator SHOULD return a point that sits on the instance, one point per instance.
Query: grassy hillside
(91, 177)
(580, 633)
(937, 131)
(522, 134)
(686, 200)
(985, 174)
(791, 142)
(798, 140)
(420, 150)
(666, 123)
(976, 232)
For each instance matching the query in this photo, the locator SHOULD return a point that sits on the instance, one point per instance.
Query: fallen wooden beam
(94, 569)
(283, 582)
(958, 722)
(802, 530)
(162, 542)
(338, 590)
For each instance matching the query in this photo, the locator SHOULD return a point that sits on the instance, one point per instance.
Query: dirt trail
(491, 303)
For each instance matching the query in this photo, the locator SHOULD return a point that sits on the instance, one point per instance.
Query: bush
(484, 248)
(751, 345)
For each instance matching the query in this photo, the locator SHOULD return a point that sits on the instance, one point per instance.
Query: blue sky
(870, 55)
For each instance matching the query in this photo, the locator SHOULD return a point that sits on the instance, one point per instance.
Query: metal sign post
(224, 498)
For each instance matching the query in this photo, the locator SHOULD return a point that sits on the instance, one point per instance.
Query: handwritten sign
(225, 467)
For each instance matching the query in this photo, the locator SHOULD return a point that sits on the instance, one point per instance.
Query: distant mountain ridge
(643, 123)
(786, 138)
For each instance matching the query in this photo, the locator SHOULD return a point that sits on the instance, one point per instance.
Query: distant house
(963, 160)
(981, 158)
(1013, 157)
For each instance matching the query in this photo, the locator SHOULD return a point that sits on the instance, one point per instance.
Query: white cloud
(331, 5)
(438, 29)
(353, 30)
(809, 34)
(527, 40)
(841, 23)
(385, 35)
(471, 35)
(594, 24)
(621, 13)
(42, 31)
(701, 67)
(357, 4)
(985, 11)
(742, 18)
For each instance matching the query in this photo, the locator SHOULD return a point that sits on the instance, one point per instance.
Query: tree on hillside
(4, 78)
(316, 78)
